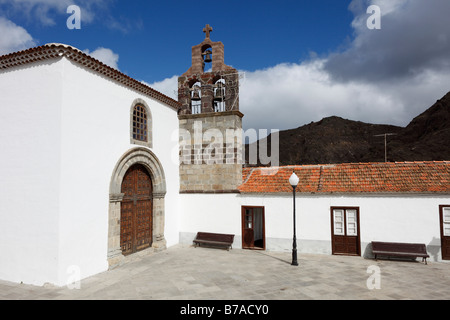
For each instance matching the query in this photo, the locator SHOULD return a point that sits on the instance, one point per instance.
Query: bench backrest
(215, 237)
(399, 247)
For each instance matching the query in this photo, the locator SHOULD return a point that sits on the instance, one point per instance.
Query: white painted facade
(63, 128)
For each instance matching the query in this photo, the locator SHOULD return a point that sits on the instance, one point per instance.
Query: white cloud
(287, 96)
(105, 55)
(290, 95)
(13, 37)
(384, 76)
(414, 38)
(44, 11)
(167, 86)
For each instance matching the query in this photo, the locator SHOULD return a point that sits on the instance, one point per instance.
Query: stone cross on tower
(207, 30)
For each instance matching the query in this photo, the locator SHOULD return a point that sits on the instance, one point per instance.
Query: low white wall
(217, 213)
(406, 218)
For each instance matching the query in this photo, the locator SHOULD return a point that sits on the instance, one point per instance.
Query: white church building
(96, 166)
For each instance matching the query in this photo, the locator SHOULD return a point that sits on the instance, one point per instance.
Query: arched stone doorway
(148, 163)
(136, 210)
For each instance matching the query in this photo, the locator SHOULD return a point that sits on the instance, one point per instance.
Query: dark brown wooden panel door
(345, 231)
(247, 228)
(253, 228)
(136, 210)
(444, 212)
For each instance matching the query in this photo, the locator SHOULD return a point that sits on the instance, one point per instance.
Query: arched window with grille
(141, 124)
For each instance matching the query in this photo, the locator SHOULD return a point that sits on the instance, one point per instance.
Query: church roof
(396, 177)
(57, 50)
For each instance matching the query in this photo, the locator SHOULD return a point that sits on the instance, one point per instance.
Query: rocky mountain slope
(337, 140)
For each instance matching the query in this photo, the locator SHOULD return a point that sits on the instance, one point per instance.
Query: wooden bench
(402, 250)
(214, 239)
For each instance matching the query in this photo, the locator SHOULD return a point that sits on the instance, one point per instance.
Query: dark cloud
(414, 37)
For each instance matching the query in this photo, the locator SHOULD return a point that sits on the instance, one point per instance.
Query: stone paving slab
(188, 273)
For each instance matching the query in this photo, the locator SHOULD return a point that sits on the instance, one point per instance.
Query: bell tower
(217, 88)
(210, 122)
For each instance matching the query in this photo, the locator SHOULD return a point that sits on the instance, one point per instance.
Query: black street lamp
(293, 180)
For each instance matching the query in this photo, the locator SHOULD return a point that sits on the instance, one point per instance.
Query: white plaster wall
(394, 218)
(95, 135)
(217, 213)
(30, 100)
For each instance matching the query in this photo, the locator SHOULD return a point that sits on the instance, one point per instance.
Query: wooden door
(136, 211)
(247, 228)
(345, 239)
(253, 228)
(444, 213)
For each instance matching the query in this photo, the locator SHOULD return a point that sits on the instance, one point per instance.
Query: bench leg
(425, 259)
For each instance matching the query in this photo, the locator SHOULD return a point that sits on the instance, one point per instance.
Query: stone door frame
(149, 160)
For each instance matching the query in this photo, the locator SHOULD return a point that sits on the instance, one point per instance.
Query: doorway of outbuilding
(253, 228)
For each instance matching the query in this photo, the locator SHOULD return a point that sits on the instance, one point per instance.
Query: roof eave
(55, 51)
(390, 193)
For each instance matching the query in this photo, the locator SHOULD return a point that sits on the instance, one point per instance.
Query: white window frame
(336, 221)
(345, 220)
(349, 224)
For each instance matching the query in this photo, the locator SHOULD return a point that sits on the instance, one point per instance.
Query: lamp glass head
(293, 180)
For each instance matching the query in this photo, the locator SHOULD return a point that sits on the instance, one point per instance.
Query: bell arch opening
(196, 97)
(207, 57)
(219, 95)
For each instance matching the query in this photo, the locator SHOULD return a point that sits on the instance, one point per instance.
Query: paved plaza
(188, 273)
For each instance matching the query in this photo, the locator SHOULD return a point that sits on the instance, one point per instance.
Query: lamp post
(293, 180)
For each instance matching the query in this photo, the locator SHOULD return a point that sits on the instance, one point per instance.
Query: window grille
(140, 123)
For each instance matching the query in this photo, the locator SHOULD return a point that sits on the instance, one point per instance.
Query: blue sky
(153, 38)
(302, 60)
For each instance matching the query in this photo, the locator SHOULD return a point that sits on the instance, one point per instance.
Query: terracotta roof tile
(399, 177)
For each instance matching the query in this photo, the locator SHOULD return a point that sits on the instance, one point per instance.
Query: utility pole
(385, 142)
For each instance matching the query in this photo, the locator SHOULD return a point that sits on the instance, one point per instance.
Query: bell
(207, 56)
(219, 95)
(196, 94)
